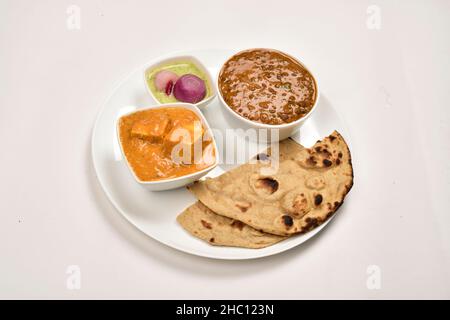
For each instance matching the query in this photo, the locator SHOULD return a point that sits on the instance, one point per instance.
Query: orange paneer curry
(165, 143)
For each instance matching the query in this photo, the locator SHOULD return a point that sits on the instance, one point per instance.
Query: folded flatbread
(308, 187)
(218, 230)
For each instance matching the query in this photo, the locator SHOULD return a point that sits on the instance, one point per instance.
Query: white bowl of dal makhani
(267, 89)
(167, 146)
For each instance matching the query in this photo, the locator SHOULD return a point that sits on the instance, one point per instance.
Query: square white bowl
(173, 183)
(191, 59)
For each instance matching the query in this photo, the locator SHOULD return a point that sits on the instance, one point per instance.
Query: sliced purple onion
(163, 78)
(189, 88)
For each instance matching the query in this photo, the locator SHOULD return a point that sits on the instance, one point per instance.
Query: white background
(390, 86)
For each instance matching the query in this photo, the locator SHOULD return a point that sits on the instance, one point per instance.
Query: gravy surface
(267, 86)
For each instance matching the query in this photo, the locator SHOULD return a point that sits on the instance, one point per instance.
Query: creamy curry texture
(267, 86)
(165, 143)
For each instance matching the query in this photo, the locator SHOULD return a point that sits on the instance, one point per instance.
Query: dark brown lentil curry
(267, 86)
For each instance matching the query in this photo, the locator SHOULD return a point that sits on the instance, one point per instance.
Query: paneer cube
(183, 143)
(153, 129)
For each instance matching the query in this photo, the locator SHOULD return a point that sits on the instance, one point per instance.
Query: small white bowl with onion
(180, 79)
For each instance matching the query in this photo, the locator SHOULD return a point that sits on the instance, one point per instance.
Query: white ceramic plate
(154, 213)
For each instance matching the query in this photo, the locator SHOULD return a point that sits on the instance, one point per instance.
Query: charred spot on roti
(338, 161)
(311, 161)
(270, 185)
(332, 138)
(340, 154)
(206, 224)
(237, 224)
(211, 240)
(337, 204)
(325, 153)
(243, 209)
(349, 186)
(243, 205)
(300, 205)
(296, 203)
(263, 157)
(321, 155)
(318, 199)
(287, 220)
(327, 163)
(311, 223)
